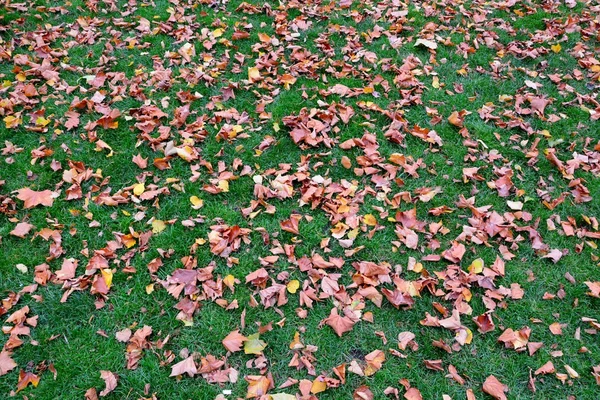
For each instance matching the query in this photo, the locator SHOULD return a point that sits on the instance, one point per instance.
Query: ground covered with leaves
(300, 199)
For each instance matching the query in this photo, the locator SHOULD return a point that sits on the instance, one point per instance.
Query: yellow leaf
(158, 226)
(107, 274)
(41, 121)
(318, 386)
(150, 288)
(223, 185)
(476, 266)
(276, 127)
(138, 189)
(218, 32)
(436, 82)
(469, 338)
(293, 286)
(282, 396)
(370, 220)
(253, 74)
(556, 48)
(254, 345)
(229, 280)
(12, 121)
(196, 202)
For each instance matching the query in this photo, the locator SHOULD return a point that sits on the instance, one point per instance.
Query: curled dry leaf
(495, 388)
(110, 382)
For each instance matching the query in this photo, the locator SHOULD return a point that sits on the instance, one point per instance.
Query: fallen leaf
(233, 341)
(186, 366)
(32, 198)
(253, 345)
(495, 388)
(110, 382)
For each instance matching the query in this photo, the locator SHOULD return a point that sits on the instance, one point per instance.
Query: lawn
(219, 199)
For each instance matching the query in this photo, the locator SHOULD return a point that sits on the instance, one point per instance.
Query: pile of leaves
(407, 175)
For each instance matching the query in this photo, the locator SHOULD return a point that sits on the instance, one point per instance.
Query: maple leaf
(413, 394)
(26, 378)
(186, 366)
(7, 364)
(253, 345)
(31, 198)
(495, 388)
(594, 288)
(258, 386)
(21, 229)
(291, 224)
(233, 341)
(363, 393)
(547, 368)
(374, 362)
(339, 324)
(110, 382)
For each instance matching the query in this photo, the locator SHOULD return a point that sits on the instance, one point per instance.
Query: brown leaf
(110, 380)
(374, 362)
(594, 288)
(187, 366)
(26, 378)
(545, 369)
(291, 224)
(21, 230)
(233, 342)
(339, 324)
(413, 394)
(7, 364)
(363, 393)
(258, 386)
(495, 388)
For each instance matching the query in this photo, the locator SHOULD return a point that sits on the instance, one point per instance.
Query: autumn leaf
(27, 378)
(32, 198)
(21, 230)
(339, 324)
(291, 224)
(374, 362)
(495, 388)
(430, 44)
(293, 286)
(258, 386)
(186, 366)
(7, 364)
(253, 345)
(110, 382)
(233, 342)
(318, 385)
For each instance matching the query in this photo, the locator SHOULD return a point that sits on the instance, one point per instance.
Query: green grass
(79, 340)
